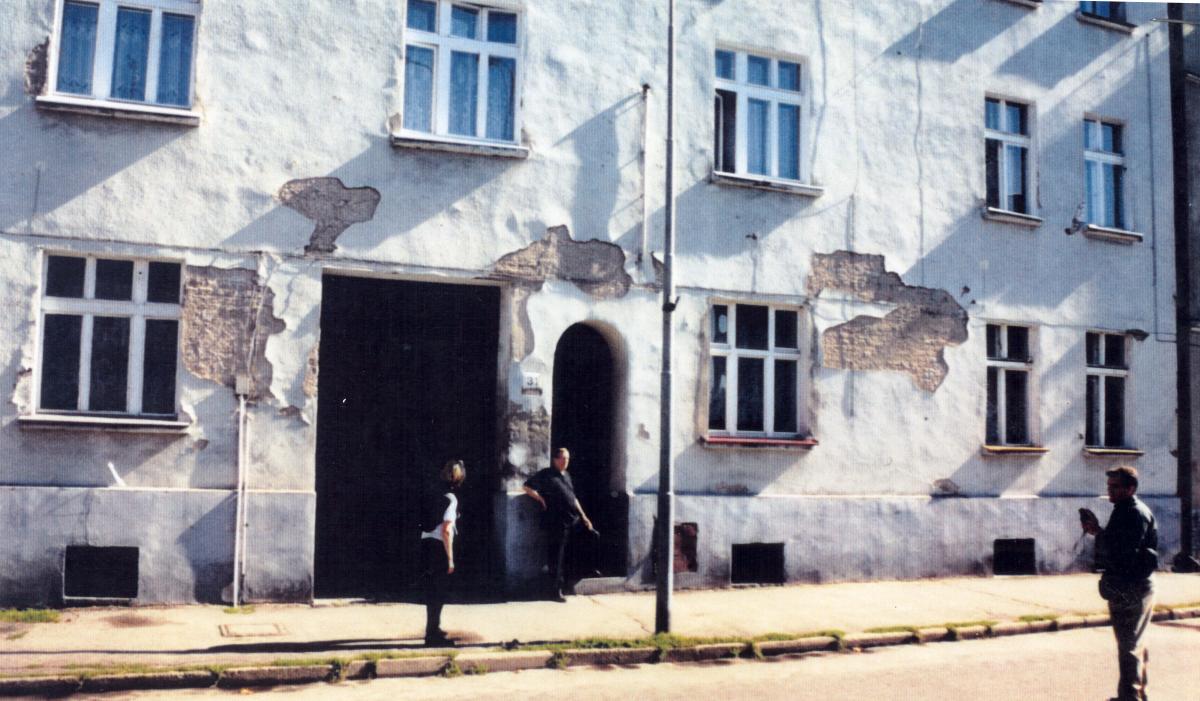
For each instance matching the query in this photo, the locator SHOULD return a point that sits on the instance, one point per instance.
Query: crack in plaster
(331, 205)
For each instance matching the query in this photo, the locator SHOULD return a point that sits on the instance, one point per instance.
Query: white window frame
(745, 91)
(443, 45)
(1006, 139)
(1101, 371)
(102, 62)
(1002, 368)
(732, 353)
(137, 310)
(1097, 200)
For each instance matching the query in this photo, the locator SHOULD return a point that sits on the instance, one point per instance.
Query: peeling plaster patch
(521, 334)
(331, 205)
(291, 412)
(911, 338)
(528, 439)
(35, 68)
(311, 370)
(946, 487)
(596, 267)
(224, 312)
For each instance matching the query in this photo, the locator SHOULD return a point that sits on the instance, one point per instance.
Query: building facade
(269, 265)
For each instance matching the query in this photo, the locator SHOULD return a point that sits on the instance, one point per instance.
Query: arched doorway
(582, 421)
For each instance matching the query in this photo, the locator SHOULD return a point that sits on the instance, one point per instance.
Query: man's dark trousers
(558, 536)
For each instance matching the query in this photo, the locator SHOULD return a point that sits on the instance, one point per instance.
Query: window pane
(785, 329)
(502, 27)
(1091, 135)
(175, 60)
(725, 129)
(720, 330)
(464, 92)
(1110, 194)
(1114, 350)
(1016, 428)
(422, 15)
(1118, 194)
(464, 22)
(114, 279)
(163, 285)
(991, 114)
(789, 142)
(1092, 431)
(750, 394)
(418, 88)
(716, 395)
(1112, 138)
(77, 48)
(60, 361)
(1093, 192)
(158, 388)
(751, 327)
(110, 363)
(1014, 118)
(789, 76)
(785, 396)
(501, 80)
(1092, 344)
(64, 276)
(993, 399)
(1114, 412)
(131, 47)
(725, 65)
(993, 342)
(1014, 168)
(758, 70)
(1018, 343)
(756, 136)
(992, 165)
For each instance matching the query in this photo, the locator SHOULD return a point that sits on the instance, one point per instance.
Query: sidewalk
(192, 636)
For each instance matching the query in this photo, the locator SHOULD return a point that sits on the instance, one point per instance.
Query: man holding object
(1126, 550)
(552, 489)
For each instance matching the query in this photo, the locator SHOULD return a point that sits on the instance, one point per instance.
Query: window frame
(137, 309)
(443, 45)
(772, 353)
(744, 91)
(103, 54)
(1120, 211)
(1006, 139)
(1003, 366)
(1089, 9)
(1104, 371)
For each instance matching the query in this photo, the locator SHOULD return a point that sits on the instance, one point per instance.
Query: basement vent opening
(91, 572)
(686, 535)
(757, 563)
(1014, 556)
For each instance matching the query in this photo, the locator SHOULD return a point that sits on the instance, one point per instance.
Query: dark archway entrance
(407, 382)
(582, 420)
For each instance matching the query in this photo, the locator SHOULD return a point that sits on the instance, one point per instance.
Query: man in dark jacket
(1126, 549)
(552, 489)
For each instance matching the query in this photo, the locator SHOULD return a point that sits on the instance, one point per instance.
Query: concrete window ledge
(762, 182)
(1003, 215)
(758, 442)
(470, 148)
(118, 110)
(116, 424)
(1031, 4)
(1104, 233)
(1113, 452)
(1033, 450)
(1114, 25)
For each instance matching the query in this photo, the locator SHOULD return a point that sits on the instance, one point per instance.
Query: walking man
(552, 489)
(1126, 549)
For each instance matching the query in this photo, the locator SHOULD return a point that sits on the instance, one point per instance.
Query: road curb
(239, 677)
(156, 680)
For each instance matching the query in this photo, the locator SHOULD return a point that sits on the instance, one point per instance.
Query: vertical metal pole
(665, 561)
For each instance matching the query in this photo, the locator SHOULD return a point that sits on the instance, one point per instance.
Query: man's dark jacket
(1127, 549)
(558, 491)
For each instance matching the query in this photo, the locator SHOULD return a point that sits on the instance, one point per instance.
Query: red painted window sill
(745, 441)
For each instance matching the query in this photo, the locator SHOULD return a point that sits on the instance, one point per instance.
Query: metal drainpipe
(645, 242)
(239, 496)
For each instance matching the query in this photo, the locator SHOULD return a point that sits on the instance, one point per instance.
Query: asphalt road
(1070, 666)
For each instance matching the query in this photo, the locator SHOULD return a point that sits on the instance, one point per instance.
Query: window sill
(118, 110)
(1003, 215)
(1104, 233)
(1031, 4)
(1113, 452)
(1014, 450)
(471, 148)
(748, 442)
(1113, 24)
(116, 424)
(762, 182)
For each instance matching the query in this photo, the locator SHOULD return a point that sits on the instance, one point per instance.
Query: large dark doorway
(407, 382)
(582, 421)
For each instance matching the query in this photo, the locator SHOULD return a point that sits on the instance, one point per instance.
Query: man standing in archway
(551, 488)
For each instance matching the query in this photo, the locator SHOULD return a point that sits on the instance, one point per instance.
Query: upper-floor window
(1107, 374)
(127, 50)
(1009, 364)
(110, 331)
(1106, 10)
(1104, 173)
(754, 385)
(461, 70)
(757, 115)
(1007, 143)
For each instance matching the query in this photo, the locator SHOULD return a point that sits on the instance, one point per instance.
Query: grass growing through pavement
(238, 610)
(670, 641)
(28, 616)
(1038, 617)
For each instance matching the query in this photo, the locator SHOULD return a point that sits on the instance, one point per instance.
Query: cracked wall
(910, 339)
(227, 317)
(528, 438)
(331, 206)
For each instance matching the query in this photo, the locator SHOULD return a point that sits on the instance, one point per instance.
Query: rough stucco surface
(528, 439)
(596, 267)
(910, 339)
(226, 313)
(331, 205)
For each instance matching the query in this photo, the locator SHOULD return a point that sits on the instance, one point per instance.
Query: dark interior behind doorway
(407, 382)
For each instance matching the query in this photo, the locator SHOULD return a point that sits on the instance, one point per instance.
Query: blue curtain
(132, 46)
(418, 88)
(501, 75)
(77, 47)
(464, 92)
(175, 60)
